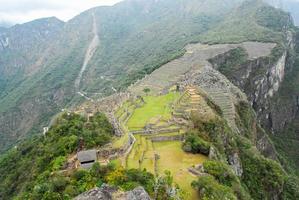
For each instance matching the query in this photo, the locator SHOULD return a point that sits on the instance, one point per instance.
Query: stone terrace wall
(108, 153)
(168, 138)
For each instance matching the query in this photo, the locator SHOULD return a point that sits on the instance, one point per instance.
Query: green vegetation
(35, 169)
(194, 144)
(288, 140)
(255, 167)
(221, 172)
(170, 157)
(246, 119)
(173, 158)
(137, 159)
(262, 178)
(130, 179)
(211, 189)
(273, 19)
(155, 107)
(156, 157)
(143, 43)
(252, 21)
(65, 186)
(32, 162)
(233, 62)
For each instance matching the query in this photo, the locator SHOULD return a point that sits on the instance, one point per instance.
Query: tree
(146, 90)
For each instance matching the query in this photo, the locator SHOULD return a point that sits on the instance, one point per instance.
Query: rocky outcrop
(235, 163)
(107, 192)
(260, 78)
(221, 91)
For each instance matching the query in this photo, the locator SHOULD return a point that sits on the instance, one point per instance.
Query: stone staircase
(222, 98)
(221, 91)
(190, 101)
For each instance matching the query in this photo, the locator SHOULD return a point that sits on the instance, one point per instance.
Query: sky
(20, 11)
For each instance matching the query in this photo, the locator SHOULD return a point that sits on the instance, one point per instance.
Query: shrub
(221, 172)
(209, 188)
(195, 144)
(263, 177)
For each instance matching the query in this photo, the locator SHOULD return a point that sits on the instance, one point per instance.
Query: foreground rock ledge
(107, 192)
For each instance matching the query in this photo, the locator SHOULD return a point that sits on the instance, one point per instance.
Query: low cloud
(20, 11)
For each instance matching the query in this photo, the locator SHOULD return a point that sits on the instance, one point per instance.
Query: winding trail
(88, 55)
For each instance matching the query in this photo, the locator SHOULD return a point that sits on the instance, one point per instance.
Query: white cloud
(20, 11)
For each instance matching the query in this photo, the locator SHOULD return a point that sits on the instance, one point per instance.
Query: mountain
(291, 6)
(220, 77)
(109, 48)
(131, 42)
(5, 24)
(23, 53)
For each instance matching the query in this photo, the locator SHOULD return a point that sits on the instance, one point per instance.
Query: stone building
(87, 158)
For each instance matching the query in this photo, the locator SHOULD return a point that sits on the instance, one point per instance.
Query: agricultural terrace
(154, 121)
(173, 158)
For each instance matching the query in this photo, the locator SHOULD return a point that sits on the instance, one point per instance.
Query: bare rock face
(137, 194)
(107, 192)
(235, 162)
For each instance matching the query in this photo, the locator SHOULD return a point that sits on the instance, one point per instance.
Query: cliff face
(261, 79)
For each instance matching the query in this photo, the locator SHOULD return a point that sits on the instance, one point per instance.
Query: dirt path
(88, 55)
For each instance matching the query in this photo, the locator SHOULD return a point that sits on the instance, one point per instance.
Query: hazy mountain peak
(291, 6)
(203, 49)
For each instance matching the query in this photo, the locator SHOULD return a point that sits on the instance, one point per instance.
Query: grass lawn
(143, 148)
(118, 142)
(155, 106)
(135, 155)
(121, 112)
(174, 159)
(149, 158)
(157, 110)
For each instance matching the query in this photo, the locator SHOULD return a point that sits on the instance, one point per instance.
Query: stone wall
(168, 138)
(156, 131)
(109, 152)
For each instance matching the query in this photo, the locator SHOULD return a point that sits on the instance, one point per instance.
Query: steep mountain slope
(125, 32)
(286, 103)
(23, 53)
(272, 88)
(107, 48)
(135, 37)
(291, 6)
(22, 49)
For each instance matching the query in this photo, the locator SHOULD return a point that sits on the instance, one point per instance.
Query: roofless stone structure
(87, 158)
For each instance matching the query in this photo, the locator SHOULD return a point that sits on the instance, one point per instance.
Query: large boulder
(107, 192)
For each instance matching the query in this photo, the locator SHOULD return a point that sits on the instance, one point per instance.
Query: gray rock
(107, 192)
(103, 193)
(138, 194)
(235, 163)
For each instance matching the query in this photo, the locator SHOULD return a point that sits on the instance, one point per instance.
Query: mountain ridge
(163, 49)
(49, 90)
(73, 44)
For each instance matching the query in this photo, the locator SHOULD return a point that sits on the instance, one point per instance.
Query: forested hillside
(135, 37)
(229, 112)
